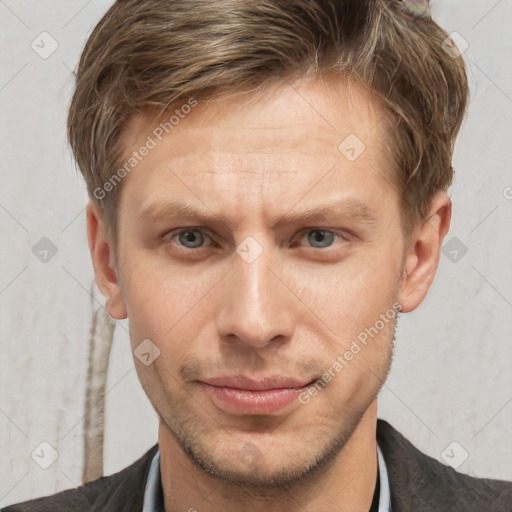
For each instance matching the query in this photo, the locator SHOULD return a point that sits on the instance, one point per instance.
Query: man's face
(249, 288)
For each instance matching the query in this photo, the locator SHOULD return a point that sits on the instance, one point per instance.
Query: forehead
(268, 146)
(332, 106)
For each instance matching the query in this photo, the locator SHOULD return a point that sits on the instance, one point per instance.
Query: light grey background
(451, 379)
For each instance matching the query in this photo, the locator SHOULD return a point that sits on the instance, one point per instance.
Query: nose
(256, 306)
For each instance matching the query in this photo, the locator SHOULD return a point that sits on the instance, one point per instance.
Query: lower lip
(244, 401)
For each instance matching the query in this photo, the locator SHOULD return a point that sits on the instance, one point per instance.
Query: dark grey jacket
(418, 484)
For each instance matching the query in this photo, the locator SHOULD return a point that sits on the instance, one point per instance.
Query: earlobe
(103, 260)
(422, 254)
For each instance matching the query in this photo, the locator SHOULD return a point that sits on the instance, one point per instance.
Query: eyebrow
(352, 210)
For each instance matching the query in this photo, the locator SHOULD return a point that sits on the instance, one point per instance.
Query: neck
(347, 482)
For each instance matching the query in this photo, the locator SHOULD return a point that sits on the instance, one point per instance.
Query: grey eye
(191, 238)
(319, 238)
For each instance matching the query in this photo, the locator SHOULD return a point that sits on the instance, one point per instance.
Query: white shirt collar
(385, 492)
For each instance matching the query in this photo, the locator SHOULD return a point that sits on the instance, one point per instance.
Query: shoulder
(122, 491)
(421, 483)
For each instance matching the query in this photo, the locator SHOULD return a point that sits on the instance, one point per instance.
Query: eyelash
(343, 236)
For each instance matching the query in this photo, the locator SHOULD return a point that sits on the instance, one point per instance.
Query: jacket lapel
(124, 491)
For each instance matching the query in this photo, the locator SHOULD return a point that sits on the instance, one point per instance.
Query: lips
(240, 394)
(257, 383)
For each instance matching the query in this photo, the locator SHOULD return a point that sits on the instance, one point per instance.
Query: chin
(268, 474)
(252, 463)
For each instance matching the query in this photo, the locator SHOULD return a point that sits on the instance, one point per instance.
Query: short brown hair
(157, 53)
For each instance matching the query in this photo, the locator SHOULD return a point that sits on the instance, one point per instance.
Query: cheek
(170, 305)
(351, 294)
(165, 302)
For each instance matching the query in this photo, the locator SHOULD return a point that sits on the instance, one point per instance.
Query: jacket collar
(417, 482)
(124, 491)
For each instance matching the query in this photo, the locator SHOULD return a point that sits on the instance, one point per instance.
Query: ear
(422, 253)
(103, 260)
